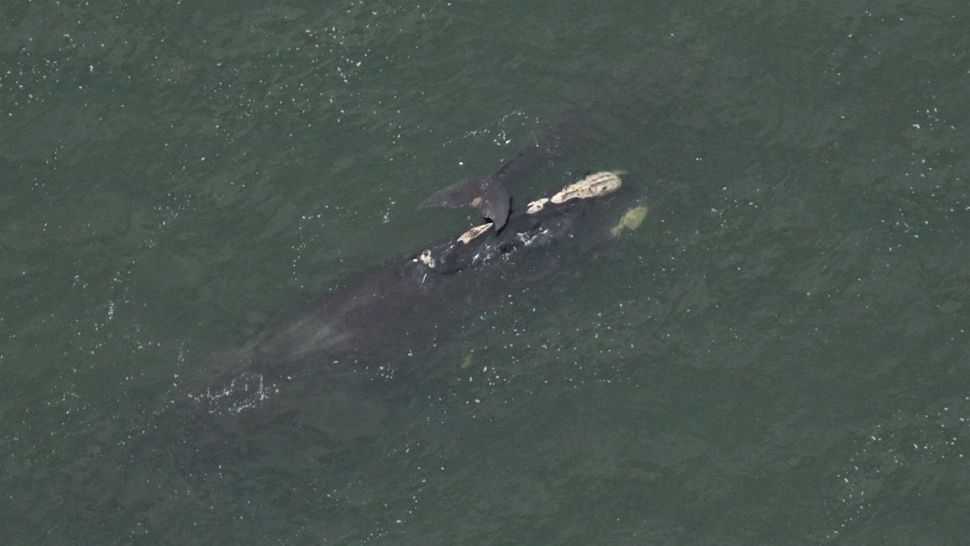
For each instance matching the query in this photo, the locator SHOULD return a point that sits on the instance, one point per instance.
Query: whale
(335, 370)
(374, 326)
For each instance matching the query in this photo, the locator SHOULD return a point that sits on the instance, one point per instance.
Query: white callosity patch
(474, 232)
(536, 205)
(427, 259)
(594, 185)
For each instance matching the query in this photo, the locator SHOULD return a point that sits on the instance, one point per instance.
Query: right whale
(340, 366)
(372, 326)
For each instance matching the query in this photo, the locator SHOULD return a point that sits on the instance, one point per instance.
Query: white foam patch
(244, 392)
(907, 456)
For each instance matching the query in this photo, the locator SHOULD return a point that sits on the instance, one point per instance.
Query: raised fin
(485, 193)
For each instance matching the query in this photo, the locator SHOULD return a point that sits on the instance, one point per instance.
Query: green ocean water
(778, 355)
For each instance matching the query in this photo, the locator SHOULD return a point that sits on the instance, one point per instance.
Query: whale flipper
(485, 193)
(488, 193)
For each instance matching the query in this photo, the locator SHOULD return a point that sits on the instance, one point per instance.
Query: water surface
(778, 355)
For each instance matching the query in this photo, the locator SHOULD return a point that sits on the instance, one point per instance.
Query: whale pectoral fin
(486, 193)
(496, 203)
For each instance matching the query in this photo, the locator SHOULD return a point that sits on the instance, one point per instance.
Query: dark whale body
(337, 367)
(305, 394)
(376, 325)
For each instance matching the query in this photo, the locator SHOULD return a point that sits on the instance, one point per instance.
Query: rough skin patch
(630, 220)
(427, 259)
(474, 232)
(536, 205)
(594, 185)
